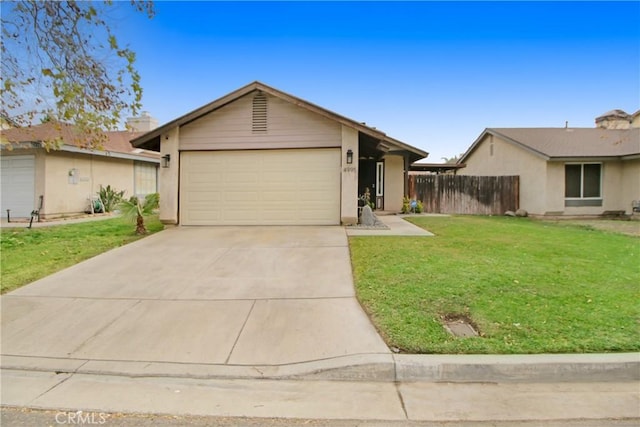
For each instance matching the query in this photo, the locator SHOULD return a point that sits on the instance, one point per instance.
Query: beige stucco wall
(168, 181)
(630, 183)
(611, 187)
(62, 196)
(349, 184)
(393, 182)
(554, 189)
(508, 159)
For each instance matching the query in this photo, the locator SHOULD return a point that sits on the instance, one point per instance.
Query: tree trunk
(140, 228)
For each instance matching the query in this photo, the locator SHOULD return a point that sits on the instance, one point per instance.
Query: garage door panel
(205, 216)
(240, 196)
(270, 187)
(203, 179)
(241, 178)
(17, 178)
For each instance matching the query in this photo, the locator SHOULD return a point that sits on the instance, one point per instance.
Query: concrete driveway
(214, 296)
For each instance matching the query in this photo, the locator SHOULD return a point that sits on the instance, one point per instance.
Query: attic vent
(259, 119)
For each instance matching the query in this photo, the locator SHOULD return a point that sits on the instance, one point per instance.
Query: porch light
(165, 160)
(349, 157)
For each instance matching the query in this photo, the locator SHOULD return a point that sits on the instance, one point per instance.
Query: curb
(519, 368)
(370, 367)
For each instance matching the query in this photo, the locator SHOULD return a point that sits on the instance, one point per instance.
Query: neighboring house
(261, 156)
(67, 177)
(565, 171)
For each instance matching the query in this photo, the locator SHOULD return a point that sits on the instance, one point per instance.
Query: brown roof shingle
(116, 142)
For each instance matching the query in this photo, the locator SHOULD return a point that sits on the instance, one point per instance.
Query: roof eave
(414, 153)
(146, 139)
(428, 167)
(107, 153)
(22, 145)
(193, 115)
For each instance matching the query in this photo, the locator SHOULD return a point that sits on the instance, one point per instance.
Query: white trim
(379, 179)
(105, 153)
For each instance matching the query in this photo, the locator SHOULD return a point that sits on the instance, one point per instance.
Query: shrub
(110, 197)
(411, 206)
(406, 205)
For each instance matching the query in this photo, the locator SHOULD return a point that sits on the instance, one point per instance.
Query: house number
(349, 169)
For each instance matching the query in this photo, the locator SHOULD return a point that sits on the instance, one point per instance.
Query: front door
(380, 185)
(371, 177)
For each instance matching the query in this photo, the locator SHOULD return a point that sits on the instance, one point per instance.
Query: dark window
(591, 180)
(572, 179)
(582, 180)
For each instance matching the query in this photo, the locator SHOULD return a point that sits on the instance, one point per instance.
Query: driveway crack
(240, 333)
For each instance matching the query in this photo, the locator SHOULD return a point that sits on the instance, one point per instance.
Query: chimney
(144, 123)
(614, 119)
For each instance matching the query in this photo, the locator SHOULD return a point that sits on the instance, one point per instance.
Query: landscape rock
(510, 213)
(522, 213)
(367, 218)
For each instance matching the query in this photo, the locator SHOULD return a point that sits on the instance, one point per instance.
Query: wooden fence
(466, 194)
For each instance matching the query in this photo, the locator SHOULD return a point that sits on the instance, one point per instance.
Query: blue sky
(431, 74)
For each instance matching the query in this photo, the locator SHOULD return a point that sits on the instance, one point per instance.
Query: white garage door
(260, 187)
(17, 178)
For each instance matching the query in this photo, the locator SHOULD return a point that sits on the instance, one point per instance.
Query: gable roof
(151, 140)
(566, 143)
(116, 145)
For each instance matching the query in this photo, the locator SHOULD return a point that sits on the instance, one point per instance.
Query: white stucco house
(259, 156)
(565, 171)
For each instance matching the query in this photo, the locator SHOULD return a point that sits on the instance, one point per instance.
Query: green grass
(30, 254)
(528, 286)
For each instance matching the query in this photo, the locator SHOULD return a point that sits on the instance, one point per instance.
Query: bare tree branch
(60, 60)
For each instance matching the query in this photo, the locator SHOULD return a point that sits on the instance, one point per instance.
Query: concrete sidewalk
(397, 226)
(323, 399)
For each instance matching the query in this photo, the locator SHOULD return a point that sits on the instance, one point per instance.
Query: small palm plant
(136, 209)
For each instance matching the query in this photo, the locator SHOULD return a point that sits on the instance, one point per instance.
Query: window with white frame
(583, 184)
(145, 178)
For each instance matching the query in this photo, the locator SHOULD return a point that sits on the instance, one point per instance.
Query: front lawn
(30, 254)
(528, 286)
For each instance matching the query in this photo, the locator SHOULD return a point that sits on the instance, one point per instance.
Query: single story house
(259, 156)
(66, 178)
(565, 171)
